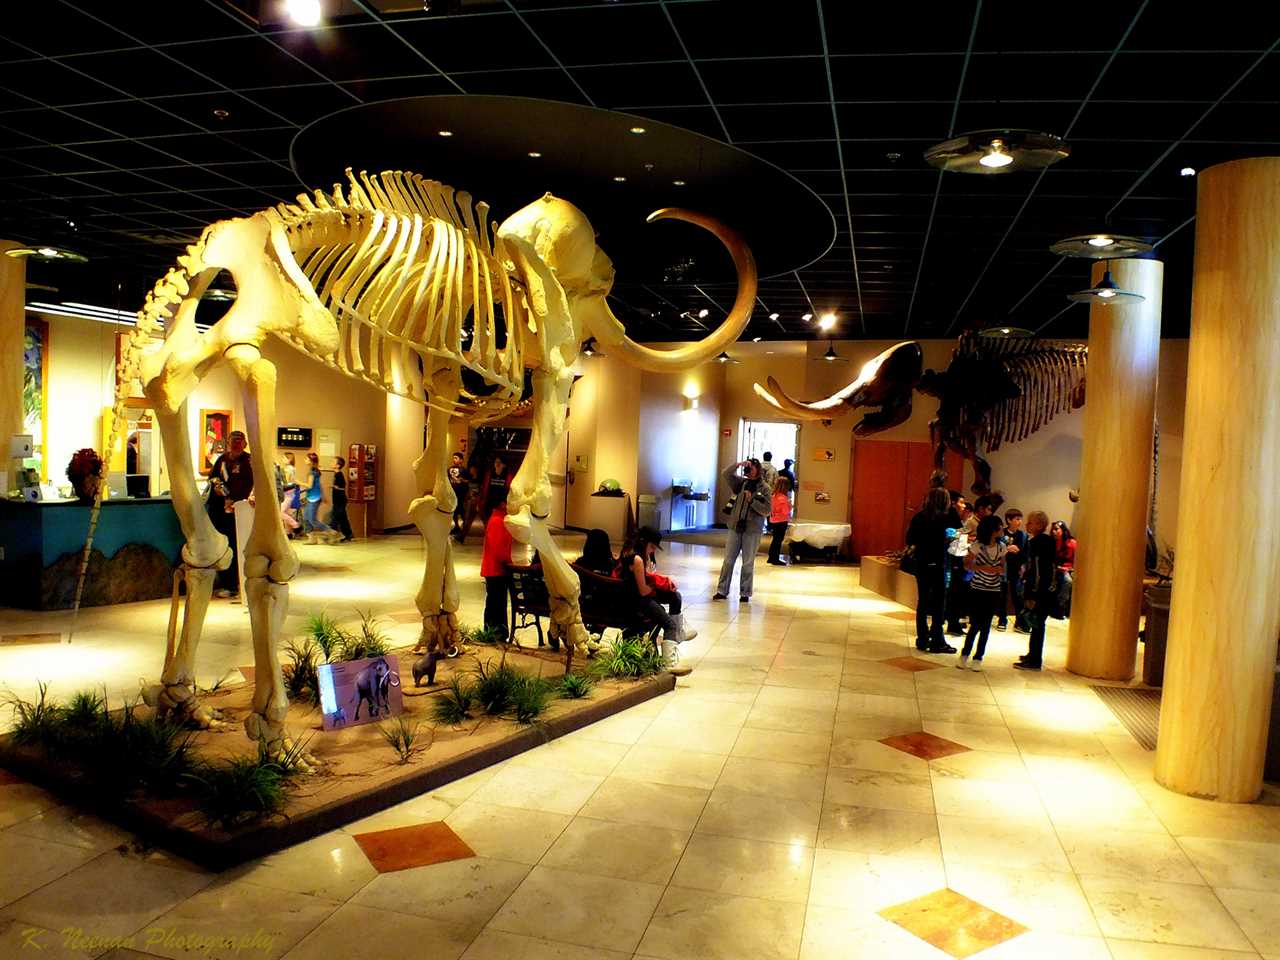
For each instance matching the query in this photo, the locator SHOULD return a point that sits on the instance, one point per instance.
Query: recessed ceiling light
(1187, 172)
(619, 179)
(806, 317)
(637, 130)
(445, 133)
(677, 183)
(702, 313)
(827, 321)
(305, 13)
(535, 154)
(773, 316)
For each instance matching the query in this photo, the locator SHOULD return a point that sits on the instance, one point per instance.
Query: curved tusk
(612, 335)
(778, 398)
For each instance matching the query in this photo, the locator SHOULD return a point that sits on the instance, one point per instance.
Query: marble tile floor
(766, 808)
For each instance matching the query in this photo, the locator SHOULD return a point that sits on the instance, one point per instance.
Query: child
(1015, 539)
(597, 554)
(493, 567)
(986, 588)
(779, 518)
(338, 515)
(638, 568)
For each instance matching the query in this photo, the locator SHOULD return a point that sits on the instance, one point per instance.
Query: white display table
(820, 536)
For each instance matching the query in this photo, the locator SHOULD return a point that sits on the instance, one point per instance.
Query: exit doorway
(758, 436)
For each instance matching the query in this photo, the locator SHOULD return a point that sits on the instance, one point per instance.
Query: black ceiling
(107, 121)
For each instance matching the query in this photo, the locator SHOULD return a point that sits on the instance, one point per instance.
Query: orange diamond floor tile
(926, 746)
(417, 846)
(912, 664)
(953, 923)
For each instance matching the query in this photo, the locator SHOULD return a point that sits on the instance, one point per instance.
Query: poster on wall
(359, 691)
(823, 454)
(35, 389)
(215, 427)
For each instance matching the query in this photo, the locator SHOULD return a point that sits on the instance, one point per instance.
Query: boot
(683, 633)
(671, 654)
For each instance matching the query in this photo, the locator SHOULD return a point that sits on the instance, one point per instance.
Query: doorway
(776, 437)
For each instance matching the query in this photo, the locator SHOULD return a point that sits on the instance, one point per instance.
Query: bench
(604, 602)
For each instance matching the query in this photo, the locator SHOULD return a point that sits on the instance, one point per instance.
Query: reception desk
(136, 546)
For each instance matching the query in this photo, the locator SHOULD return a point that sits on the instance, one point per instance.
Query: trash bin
(647, 510)
(1157, 633)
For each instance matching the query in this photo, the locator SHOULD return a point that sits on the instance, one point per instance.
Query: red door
(889, 481)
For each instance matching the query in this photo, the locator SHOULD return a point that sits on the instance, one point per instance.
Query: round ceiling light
(218, 294)
(1101, 246)
(47, 253)
(637, 130)
(1007, 333)
(827, 321)
(998, 151)
(1105, 293)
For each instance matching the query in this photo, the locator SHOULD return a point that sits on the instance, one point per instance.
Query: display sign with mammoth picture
(359, 691)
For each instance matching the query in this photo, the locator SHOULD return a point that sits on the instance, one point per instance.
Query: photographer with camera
(746, 512)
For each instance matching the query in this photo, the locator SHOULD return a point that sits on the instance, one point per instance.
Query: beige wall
(82, 385)
(631, 426)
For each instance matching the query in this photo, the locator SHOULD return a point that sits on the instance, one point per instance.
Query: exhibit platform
(358, 773)
(137, 544)
(882, 575)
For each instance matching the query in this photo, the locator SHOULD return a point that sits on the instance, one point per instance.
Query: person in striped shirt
(986, 588)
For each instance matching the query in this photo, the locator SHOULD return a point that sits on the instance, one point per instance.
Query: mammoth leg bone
(432, 514)
(269, 563)
(530, 502)
(205, 552)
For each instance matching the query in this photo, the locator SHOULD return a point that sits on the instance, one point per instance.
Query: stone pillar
(1115, 474)
(13, 298)
(1225, 617)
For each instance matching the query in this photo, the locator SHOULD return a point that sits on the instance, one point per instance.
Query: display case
(362, 473)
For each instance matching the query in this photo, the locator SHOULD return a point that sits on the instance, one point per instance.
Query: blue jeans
(311, 522)
(746, 544)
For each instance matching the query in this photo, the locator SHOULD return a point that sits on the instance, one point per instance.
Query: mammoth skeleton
(995, 390)
(399, 282)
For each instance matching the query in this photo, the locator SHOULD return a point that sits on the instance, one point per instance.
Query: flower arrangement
(85, 473)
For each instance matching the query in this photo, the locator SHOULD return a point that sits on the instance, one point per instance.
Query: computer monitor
(138, 485)
(117, 485)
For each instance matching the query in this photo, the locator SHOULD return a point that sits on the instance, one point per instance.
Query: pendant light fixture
(1105, 293)
(998, 151)
(831, 354)
(589, 348)
(46, 252)
(725, 358)
(1101, 246)
(1007, 333)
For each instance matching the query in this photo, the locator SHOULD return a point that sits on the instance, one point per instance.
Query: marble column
(1225, 616)
(1115, 473)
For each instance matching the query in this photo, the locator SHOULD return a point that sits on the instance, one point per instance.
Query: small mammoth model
(996, 389)
(425, 666)
(373, 686)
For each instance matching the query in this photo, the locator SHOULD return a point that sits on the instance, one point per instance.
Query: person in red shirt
(493, 567)
(779, 518)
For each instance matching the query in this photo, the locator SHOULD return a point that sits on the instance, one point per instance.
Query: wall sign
(727, 432)
(823, 454)
(359, 691)
(296, 438)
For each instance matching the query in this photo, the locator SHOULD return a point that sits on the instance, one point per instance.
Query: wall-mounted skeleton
(396, 283)
(995, 390)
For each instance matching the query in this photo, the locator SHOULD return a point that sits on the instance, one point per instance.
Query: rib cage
(1050, 379)
(400, 263)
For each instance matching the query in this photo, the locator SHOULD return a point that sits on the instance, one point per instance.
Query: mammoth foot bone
(440, 634)
(178, 702)
(277, 746)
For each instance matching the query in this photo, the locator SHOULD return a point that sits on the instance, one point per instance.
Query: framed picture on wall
(35, 389)
(149, 346)
(215, 428)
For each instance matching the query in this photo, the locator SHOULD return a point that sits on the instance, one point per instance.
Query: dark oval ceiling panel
(592, 158)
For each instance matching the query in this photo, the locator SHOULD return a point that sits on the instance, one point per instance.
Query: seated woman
(1064, 550)
(638, 568)
(597, 554)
